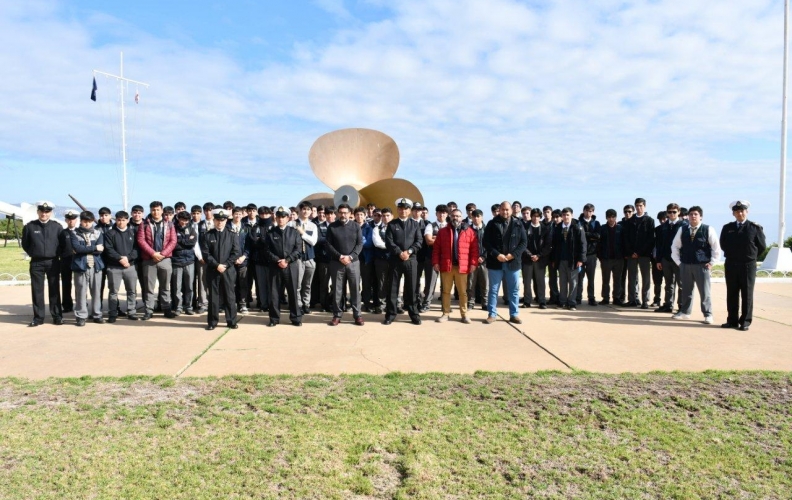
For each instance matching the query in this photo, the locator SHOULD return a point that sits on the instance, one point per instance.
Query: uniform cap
(220, 213)
(282, 212)
(71, 214)
(417, 206)
(45, 205)
(404, 203)
(739, 205)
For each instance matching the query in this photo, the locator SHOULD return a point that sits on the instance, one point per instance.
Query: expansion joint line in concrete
(195, 359)
(540, 346)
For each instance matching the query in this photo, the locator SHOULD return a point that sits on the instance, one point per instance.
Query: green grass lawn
(12, 260)
(545, 435)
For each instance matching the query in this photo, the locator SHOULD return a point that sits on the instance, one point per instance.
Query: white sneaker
(681, 315)
(708, 320)
(442, 319)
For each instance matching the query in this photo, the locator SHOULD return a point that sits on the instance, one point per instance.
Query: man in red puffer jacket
(455, 254)
(156, 239)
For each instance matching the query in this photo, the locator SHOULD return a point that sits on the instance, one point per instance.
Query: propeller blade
(384, 193)
(355, 157)
(325, 199)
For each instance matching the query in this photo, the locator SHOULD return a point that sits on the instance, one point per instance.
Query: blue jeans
(512, 292)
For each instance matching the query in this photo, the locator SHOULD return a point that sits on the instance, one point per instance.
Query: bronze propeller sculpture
(358, 164)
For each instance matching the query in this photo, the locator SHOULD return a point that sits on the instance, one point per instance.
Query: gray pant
(116, 276)
(181, 285)
(699, 275)
(305, 274)
(671, 277)
(567, 282)
(430, 282)
(199, 286)
(589, 272)
(534, 272)
(263, 285)
(157, 273)
(89, 281)
(611, 271)
(643, 264)
(342, 275)
(478, 278)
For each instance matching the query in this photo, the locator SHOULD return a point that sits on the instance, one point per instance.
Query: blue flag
(93, 92)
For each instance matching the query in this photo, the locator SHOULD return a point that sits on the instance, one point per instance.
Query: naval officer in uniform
(742, 241)
(402, 241)
(220, 249)
(283, 246)
(41, 241)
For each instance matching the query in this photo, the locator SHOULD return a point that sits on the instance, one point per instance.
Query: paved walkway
(597, 339)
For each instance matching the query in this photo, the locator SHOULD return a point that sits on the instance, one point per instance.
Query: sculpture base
(778, 260)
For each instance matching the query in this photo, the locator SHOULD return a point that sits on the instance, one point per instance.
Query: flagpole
(123, 136)
(124, 83)
(782, 197)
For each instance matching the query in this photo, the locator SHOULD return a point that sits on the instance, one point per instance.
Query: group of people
(369, 259)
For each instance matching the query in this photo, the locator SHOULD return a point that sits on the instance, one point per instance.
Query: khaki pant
(454, 277)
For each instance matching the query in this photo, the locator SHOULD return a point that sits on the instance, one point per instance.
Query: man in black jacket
(183, 261)
(535, 258)
(403, 240)
(220, 249)
(640, 243)
(258, 236)
(120, 256)
(742, 241)
(569, 253)
(664, 261)
(657, 271)
(477, 280)
(504, 241)
(344, 243)
(611, 255)
(283, 246)
(591, 227)
(40, 240)
(65, 254)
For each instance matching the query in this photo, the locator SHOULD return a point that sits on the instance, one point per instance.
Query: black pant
(66, 283)
(49, 268)
(657, 281)
(740, 280)
(280, 280)
(397, 268)
(221, 294)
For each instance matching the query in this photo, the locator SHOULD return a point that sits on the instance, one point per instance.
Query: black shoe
(730, 325)
(399, 310)
(656, 303)
(147, 316)
(525, 305)
(68, 310)
(644, 306)
(272, 323)
(99, 321)
(210, 327)
(387, 321)
(80, 322)
(306, 310)
(133, 317)
(297, 323)
(542, 306)
(663, 309)
(484, 307)
(416, 320)
(111, 319)
(745, 327)
(592, 302)
(604, 302)
(57, 321)
(572, 308)
(232, 326)
(34, 324)
(170, 314)
(189, 312)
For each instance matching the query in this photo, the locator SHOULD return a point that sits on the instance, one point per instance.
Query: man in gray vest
(695, 250)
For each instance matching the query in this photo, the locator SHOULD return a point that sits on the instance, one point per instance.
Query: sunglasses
(673, 212)
(628, 211)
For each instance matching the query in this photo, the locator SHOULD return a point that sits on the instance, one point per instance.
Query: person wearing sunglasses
(665, 263)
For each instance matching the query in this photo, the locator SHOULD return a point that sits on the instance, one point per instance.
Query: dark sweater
(40, 239)
(119, 244)
(344, 239)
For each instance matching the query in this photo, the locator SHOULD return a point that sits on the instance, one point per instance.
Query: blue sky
(552, 102)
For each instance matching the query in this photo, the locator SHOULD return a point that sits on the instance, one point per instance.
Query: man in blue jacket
(87, 244)
(183, 261)
(591, 227)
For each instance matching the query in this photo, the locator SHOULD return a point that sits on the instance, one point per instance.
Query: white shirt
(375, 237)
(310, 227)
(429, 231)
(712, 239)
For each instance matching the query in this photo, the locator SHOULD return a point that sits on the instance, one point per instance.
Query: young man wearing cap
(611, 255)
(569, 254)
(241, 265)
(665, 237)
(344, 243)
(742, 242)
(183, 261)
(454, 256)
(505, 241)
(283, 246)
(403, 239)
(87, 244)
(258, 234)
(40, 240)
(156, 240)
(640, 243)
(307, 263)
(120, 256)
(220, 249)
(65, 253)
(200, 291)
(695, 250)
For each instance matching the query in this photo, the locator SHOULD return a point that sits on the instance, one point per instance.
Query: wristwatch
(409, 251)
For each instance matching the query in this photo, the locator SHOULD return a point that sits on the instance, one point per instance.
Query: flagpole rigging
(124, 82)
